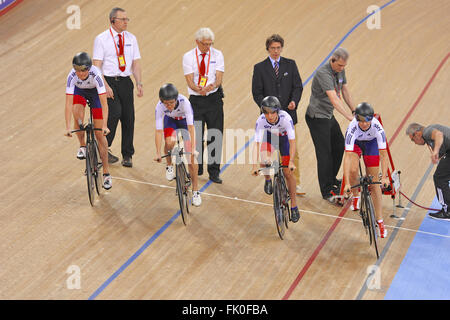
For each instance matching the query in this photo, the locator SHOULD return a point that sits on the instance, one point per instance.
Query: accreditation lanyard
(120, 57)
(203, 79)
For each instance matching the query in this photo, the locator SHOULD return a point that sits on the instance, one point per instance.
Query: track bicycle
(281, 196)
(182, 177)
(93, 165)
(367, 209)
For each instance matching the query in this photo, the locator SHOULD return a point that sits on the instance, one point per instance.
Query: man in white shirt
(203, 69)
(116, 53)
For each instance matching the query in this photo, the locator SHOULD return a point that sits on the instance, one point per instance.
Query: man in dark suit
(279, 76)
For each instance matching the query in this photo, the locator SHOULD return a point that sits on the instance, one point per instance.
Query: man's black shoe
(441, 215)
(126, 162)
(112, 158)
(268, 187)
(215, 179)
(295, 215)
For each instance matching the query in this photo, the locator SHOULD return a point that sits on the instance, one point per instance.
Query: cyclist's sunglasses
(364, 118)
(80, 68)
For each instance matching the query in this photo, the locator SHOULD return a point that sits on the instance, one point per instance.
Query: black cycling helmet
(270, 104)
(168, 92)
(364, 112)
(81, 61)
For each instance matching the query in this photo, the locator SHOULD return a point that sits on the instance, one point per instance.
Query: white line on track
(270, 204)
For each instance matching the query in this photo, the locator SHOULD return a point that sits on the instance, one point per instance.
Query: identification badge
(202, 81)
(121, 61)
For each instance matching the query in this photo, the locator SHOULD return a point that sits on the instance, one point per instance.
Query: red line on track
(344, 210)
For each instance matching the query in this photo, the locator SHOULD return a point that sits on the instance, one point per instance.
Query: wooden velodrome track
(127, 246)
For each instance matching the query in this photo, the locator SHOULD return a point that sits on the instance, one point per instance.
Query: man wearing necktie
(203, 69)
(116, 53)
(278, 76)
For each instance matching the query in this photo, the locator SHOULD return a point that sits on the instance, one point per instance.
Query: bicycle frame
(182, 177)
(92, 157)
(281, 197)
(367, 210)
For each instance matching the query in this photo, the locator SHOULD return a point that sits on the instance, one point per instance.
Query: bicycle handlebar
(85, 128)
(180, 153)
(365, 181)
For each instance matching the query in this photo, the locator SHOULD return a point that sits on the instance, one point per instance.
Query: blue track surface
(425, 270)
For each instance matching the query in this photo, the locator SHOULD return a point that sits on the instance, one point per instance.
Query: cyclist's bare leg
(78, 114)
(376, 192)
(102, 145)
(291, 184)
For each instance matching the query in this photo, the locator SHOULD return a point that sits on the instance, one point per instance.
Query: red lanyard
(198, 64)
(115, 45)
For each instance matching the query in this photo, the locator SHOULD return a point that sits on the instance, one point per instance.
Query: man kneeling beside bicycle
(365, 135)
(276, 124)
(174, 112)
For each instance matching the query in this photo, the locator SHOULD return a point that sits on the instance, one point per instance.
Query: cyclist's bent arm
(105, 110)
(384, 162)
(255, 155)
(68, 110)
(158, 139)
(347, 166)
(291, 151)
(191, 130)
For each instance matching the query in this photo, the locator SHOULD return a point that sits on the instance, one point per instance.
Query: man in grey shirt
(328, 84)
(437, 138)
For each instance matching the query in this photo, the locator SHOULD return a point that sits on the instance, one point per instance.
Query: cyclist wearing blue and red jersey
(365, 136)
(174, 113)
(275, 130)
(85, 85)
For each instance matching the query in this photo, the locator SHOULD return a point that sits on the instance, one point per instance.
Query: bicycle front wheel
(90, 173)
(277, 207)
(181, 182)
(372, 224)
(97, 165)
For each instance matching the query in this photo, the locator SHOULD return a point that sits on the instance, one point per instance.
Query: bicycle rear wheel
(372, 224)
(277, 207)
(181, 181)
(90, 173)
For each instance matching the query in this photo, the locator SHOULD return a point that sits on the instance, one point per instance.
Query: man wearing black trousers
(203, 69)
(328, 84)
(116, 53)
(278, 76)
(437, 138)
